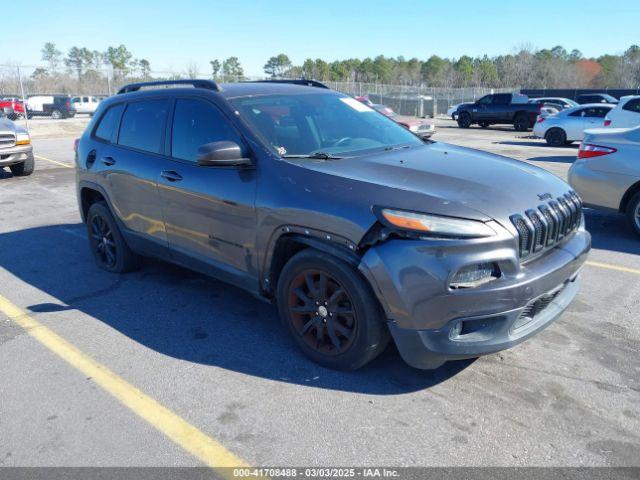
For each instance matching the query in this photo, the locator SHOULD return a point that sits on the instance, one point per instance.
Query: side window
(577, 113)
(75, 99)
(143, 124)
(108, 122)
(632, 105)
(486, 100)
(196, 123)
(85, 99)
(501, 99)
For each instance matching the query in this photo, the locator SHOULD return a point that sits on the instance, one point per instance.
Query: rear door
(209, 211)
(131, 168)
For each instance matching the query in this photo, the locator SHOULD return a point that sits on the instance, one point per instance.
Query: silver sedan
(568, 126)
(607, 172)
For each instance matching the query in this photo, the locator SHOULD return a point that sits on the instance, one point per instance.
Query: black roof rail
(294, 81)
(134, 87)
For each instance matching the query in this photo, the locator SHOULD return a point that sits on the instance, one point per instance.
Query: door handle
(108, 161)
(171, 175)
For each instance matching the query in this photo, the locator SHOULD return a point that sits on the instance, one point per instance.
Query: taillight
(607, 122)
(75, 144)
(68, 104)
(588, 150)
(540, 119)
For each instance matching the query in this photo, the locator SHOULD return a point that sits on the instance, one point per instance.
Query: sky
(172, 34)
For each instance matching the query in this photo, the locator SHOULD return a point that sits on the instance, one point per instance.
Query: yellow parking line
(205, 448)
(613, 267)
(40, 157)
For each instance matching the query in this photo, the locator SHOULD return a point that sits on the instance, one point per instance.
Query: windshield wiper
(315, 156)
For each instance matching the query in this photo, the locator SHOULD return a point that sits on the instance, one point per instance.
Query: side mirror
(221, 154)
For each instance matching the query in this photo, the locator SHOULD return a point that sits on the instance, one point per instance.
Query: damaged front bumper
(431, 322)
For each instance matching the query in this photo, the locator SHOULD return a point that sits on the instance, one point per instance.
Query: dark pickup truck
(499, 108)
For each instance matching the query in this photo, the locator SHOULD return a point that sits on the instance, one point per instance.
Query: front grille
(545, 226)
(537, 306)
(7, 140)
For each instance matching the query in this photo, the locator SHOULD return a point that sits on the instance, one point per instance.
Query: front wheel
(556, 137)
(23, 169)
(464, 120)
(330, 311)
(633, 213)
(107, 244)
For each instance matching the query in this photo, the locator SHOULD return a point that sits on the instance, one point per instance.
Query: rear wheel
(633, 213)
(464, 120)
(555, 137)
(521, 123)
(107, 244)
(23, 169)
(56, 114)
(330, 311)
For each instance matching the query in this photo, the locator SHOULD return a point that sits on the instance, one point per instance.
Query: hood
(448, 180)
(7, 125)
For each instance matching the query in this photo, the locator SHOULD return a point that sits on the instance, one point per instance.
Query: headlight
(414, 128)
(437, 225)
(22, 138)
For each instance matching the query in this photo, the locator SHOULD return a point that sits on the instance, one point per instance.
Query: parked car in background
(452, 111)
(358, 231)
(568, 126)
(365, 100)
(561, 102)
(422, 127)
(596, 98)
(607, 172)
(499, 108)
(85, 104)
(16, 151)
(12, 107)
(626, 113)
(54, 106)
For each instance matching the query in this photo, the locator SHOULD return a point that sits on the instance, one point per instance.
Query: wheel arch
(628, 195)
(90, 193)
(289, 240)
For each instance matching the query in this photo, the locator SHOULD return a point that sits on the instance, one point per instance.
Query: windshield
(327, 123)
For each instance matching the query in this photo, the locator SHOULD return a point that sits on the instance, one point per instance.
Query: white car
(626, 113)
(85, 104)
(606, 173)
(568, 126)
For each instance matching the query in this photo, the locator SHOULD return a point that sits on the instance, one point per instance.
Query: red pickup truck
(12, 107)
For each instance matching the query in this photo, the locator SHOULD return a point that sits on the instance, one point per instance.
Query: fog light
(475, 275)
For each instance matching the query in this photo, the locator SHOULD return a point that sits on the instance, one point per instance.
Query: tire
(484, 124)
(110, 251)
(464, 120)
(315, 312)
(633, 213)
(521, 123)
(23, 169)
(56, 114)
(556, 137)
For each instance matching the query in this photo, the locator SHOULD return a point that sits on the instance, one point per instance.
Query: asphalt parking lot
(114, 370)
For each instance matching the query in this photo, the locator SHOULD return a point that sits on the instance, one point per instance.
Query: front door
(208, 211)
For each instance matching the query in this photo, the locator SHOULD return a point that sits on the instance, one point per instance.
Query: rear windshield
(306, 124)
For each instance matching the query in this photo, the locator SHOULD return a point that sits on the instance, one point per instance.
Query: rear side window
(577, 113)
(196, 123)
(597, 112)
(143, 124)
(632, 105)
(108, 123)
(501, 99)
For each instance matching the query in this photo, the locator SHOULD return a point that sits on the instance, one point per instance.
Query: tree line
(524, 68)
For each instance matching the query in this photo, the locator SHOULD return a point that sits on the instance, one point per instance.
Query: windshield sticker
(356, 105)
(282, 151)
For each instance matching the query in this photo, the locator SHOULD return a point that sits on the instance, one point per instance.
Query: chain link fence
(19, 83)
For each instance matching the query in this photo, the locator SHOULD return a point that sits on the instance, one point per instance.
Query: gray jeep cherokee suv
(352, 225)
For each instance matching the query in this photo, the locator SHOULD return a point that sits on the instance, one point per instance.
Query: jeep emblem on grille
(545, 196)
